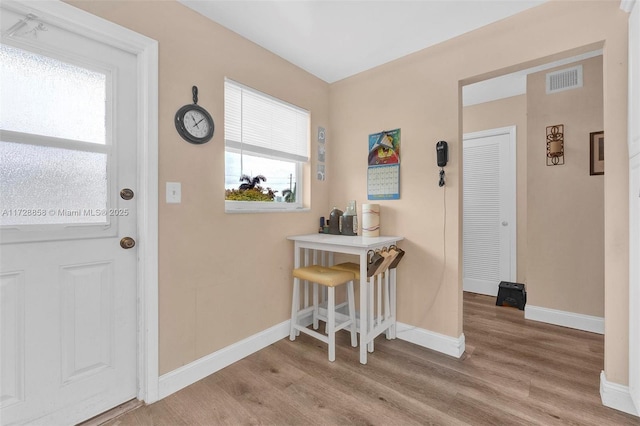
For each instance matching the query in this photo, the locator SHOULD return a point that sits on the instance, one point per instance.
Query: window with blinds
(266, 144)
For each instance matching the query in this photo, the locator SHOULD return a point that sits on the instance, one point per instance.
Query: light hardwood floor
(514, 372)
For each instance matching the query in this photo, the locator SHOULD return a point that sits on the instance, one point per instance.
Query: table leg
(295, 297)
(371, 323)
(392, 300)
(363, 308)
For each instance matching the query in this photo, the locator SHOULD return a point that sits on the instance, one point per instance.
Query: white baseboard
(616, 396)
(428, 339)
(480, 287)
(199, 369)
(565, 319)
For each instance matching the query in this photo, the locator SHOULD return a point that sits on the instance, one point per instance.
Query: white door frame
(511, 172)
(633, 134)
(146, 51)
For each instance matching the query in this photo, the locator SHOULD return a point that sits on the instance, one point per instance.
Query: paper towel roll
(371, 220)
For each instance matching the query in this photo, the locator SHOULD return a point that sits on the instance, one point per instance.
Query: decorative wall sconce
(555, 145)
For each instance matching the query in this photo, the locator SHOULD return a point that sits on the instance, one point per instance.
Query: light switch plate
(174, 192)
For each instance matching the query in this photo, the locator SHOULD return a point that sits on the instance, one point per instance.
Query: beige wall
(223, 277)
(565, 203)
(420, 93)
(503, 113)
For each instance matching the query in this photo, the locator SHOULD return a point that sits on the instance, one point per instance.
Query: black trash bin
(511, 294)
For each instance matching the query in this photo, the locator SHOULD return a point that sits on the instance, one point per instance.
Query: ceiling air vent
(569, 78)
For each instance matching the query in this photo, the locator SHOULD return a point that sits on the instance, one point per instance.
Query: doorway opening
(559, 232)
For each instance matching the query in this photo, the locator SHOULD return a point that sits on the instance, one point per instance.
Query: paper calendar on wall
(383, 174)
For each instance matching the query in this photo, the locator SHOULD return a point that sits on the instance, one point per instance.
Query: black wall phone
(442, 156)
(442, 153)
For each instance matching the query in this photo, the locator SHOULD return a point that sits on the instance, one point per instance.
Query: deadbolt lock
(126, 194)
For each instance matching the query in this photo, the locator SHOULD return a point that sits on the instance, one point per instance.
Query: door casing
(634, 204)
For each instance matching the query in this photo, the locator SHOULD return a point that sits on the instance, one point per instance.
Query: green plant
(250, 190)
(251, 182)
(254, 194)
(289, 195)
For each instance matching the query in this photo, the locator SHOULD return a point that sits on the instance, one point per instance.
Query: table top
(356, 241)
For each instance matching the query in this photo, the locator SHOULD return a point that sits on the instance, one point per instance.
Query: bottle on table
(350, 219)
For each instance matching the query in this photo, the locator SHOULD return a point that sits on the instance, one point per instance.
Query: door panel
(489, 221)
(69, 346)
(86, 295)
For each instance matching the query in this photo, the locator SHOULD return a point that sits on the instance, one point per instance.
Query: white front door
(68, 133)
(489, 210)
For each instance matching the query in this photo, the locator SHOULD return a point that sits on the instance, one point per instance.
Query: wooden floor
(514, 372)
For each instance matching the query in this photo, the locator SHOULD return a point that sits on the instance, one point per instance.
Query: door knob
(127, 243)
(505, 223)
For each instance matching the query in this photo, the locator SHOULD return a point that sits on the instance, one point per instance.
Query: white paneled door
(489, 210)
(68, 282)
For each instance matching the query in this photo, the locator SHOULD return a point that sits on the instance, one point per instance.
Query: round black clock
(193, 122)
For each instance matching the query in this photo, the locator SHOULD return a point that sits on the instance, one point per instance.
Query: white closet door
(489, 211)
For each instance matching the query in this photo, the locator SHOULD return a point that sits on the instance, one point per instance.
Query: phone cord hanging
(441, 181)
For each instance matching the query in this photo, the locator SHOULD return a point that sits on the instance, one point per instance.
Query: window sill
(251, 207)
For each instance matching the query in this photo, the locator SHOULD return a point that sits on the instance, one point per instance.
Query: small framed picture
(596, 142)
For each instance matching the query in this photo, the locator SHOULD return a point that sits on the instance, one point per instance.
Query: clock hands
(196, 123)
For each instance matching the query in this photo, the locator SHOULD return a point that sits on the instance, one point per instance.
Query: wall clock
(193, 122)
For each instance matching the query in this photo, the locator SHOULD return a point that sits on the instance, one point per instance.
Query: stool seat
(322, 275)
(349, 267)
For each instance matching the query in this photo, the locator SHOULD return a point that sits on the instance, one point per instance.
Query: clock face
(194, 124)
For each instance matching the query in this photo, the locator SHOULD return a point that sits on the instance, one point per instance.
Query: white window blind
(263, 125)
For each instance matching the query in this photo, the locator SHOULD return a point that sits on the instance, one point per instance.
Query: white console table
(369, 329)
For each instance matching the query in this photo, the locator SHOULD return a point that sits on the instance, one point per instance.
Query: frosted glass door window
(54, 146)
(44, 96)
(44, 185)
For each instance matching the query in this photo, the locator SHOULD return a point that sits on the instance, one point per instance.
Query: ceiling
(334, 39)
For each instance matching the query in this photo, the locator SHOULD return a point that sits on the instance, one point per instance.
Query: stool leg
(352, 313)
(295, 307)
(331, 323)
(315, 306)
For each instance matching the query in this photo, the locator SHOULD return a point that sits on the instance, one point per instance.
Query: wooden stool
(379, 291)
(329, 278)
(349, 267)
